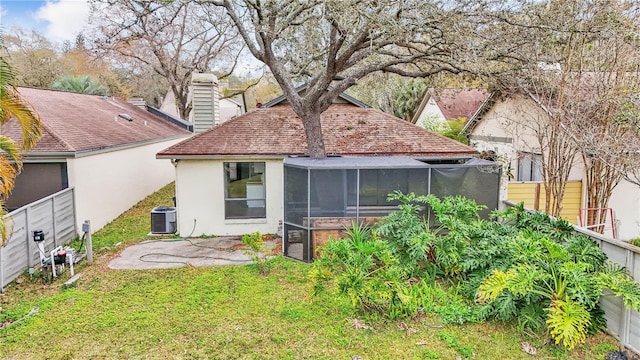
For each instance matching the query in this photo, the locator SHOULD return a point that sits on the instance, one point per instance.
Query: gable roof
(282, 99)
(454, 103)
(76, 123)
(347, 130)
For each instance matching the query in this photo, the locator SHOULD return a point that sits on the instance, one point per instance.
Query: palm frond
(14, 107)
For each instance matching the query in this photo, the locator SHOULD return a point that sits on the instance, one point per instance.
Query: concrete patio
(171, 253)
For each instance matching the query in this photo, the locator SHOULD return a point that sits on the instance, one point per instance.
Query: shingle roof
(282, 99)
(455, 103)
(347, 130)
(74, 122)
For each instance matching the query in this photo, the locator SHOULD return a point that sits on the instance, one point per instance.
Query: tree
(80, 84)
(13, 106)
(572, 68)
(603, 128)
(34, 58)
(173, 39)
(329, 45)
(407, 98)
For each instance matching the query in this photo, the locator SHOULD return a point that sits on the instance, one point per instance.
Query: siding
(525, 191)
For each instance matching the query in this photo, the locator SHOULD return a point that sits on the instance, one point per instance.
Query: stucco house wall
(508, 128)
(107, 184)
(431, 116)
(625, 202)
(200, 191)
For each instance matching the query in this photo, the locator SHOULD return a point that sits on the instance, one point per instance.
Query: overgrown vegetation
(229, 312)
(523, 266)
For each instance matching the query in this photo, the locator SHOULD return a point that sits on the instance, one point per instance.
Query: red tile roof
(74, 122)
(347, 130)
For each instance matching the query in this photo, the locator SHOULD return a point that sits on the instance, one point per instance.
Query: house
(230, 178)
(438, 106)
(101, 146)
(503, 125)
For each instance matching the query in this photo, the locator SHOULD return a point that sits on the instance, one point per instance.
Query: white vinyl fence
(54, 215)
(621, 322)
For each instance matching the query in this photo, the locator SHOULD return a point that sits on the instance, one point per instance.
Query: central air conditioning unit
(163, 220)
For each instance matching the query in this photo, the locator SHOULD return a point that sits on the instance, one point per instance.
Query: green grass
(134, 224)
(228, 313)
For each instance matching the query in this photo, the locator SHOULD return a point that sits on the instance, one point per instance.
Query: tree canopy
(328, 45)
(173, 39)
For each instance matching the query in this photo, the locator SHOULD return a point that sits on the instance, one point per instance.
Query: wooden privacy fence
(533, 196)
(54, 215)
(621, 322)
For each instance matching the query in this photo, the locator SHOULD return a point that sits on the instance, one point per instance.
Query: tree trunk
(313, 130)
(601, 179)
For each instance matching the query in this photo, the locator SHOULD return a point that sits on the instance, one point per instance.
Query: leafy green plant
(408, 234)
(420, 246)
(635, 242)
(567, 285)
(522, 266)
(363, 268)
(256, 247)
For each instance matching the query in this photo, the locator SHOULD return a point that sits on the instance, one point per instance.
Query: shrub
(555, 275)
(256, 246)
(523, 266)
(363, 269)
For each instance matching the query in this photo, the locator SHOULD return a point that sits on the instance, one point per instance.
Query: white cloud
(66, 18)
(3, 11)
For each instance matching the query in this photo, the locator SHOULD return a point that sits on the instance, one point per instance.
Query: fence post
(53, 222)
(86, 227)
(1, 268)
(30, 244)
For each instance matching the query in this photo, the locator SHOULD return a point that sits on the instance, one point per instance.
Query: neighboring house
(494, 128)
(101, 146)
(442, 105)
(230, 108)
(229, 179)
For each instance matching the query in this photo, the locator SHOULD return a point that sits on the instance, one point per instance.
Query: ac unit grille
(163, 220)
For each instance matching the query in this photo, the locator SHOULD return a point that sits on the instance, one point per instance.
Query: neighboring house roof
(347, 130)
(454, 103)
(282, 99)
(76, 123)
(232, 102)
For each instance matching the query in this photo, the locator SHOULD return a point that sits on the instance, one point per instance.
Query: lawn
(227, 313)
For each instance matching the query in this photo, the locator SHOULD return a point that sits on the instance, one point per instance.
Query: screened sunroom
(324, 196)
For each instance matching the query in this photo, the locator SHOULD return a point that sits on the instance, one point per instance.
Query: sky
(58, 20)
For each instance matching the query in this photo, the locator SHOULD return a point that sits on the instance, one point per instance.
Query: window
(244, 192)
(530, 167)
